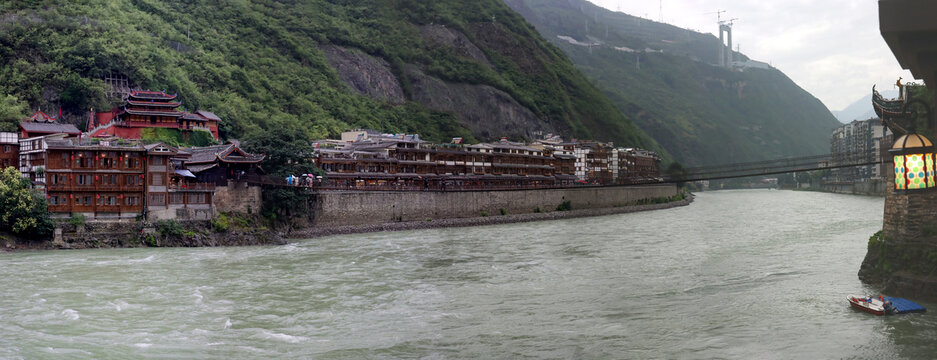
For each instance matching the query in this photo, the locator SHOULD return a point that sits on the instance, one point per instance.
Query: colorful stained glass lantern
(914, 163)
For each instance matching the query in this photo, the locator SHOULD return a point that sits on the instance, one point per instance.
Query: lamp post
(914, 163)
(913, 153)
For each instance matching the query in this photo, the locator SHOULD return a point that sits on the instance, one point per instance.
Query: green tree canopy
(23, 211)
(12, 110)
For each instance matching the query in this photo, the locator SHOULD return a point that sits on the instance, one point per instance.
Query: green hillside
(260, 64)
(702, 114)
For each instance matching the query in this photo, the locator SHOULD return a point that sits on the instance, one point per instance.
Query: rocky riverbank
(95, 235)
(320, 231)
(248, 231)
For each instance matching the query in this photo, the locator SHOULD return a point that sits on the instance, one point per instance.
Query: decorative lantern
(914, 163)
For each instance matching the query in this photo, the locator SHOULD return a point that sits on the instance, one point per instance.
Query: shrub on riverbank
(566, 205)
(23, 211)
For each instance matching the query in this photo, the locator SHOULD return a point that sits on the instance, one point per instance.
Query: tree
(12, 110)
(286, 145)
(676, 172)
(288, 152)
(23, 211)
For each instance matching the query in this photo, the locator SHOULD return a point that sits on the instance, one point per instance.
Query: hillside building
(149, 109)
(40, 124)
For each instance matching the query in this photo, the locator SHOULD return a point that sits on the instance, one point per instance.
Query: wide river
(759, 274)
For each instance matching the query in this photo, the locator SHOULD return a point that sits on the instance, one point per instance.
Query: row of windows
(88, 179)
(90, 200)
(129, 200)
(107, 160)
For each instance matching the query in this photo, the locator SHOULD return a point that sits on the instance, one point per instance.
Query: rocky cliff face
(488, 112)
(364, 74)
(442, 35)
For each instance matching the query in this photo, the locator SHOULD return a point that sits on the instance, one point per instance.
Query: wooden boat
(869, 304)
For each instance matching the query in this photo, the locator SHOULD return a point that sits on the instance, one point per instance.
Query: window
(157, 179)
(132, 200)
(84, 180)
(197, 198)
(157, 160)
(177, 198)
(157, 199)
(7, 148)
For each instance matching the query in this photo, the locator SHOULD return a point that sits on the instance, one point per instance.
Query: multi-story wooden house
(97, 179)
(113, 178)
(9, 150)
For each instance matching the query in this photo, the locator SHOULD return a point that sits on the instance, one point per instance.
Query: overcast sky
(832, 48)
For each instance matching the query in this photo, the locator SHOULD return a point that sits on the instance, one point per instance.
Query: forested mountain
(662, 77)
(440, 68)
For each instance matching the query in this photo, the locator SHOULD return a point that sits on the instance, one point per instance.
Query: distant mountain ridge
(443, 68)
(662, 76)
(862, 108)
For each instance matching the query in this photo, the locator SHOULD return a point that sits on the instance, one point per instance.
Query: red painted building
(149, 109)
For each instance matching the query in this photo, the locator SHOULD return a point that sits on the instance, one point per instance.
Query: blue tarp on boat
(905, 306)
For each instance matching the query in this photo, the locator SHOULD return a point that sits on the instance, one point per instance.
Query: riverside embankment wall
(378, 207)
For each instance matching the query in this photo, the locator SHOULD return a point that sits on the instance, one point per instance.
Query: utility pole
(660, 5)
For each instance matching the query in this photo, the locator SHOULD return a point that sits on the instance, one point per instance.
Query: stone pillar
(903, 260)
(729, 48)
(722, 50)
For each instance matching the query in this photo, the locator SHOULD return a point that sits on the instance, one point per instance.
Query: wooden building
(97, 179)
(149, 109)
(113, 178)
(9, 150)
(41, 124)
(221, 163)
(413, 163)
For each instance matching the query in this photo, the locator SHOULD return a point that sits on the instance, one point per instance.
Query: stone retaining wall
(378, 207)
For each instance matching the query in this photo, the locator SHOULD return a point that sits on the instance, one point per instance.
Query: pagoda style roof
(40, 117)
(228, 153)
(49, 128)
(148, 95)
(153, 112)
(153, 103)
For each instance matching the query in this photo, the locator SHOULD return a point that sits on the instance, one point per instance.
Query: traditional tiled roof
(191, 116)
(199, 168)
(155, 95)
(49, 128)
(153, 112)
(41, 117)
(230, 153)
(153, 103)
(208, 115)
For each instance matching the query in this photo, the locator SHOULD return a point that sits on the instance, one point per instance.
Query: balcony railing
(192, 187)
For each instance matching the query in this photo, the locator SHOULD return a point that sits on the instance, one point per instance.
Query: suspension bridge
(776, 167)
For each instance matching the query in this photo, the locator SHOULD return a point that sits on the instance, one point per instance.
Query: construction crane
(718, 15)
